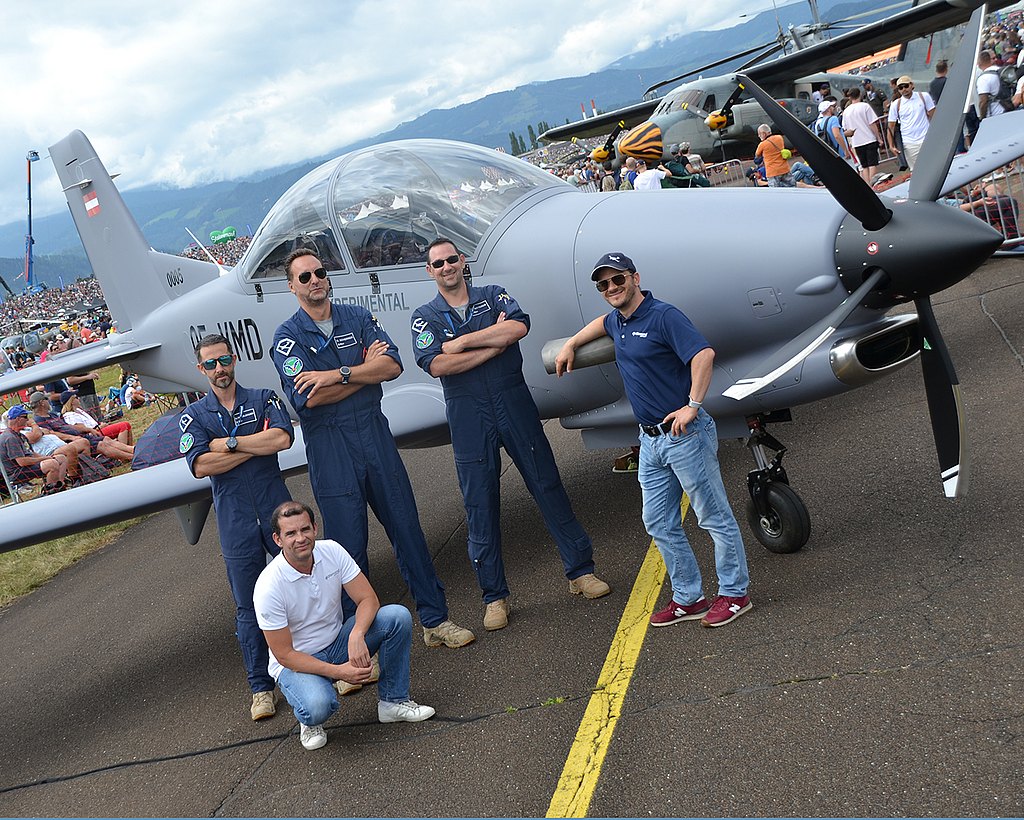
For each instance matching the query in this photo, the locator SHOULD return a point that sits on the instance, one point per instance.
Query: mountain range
(164, 212)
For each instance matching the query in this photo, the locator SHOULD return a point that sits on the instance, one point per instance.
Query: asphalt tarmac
(879, 672)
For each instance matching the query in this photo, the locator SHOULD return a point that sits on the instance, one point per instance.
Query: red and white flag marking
(92, 203)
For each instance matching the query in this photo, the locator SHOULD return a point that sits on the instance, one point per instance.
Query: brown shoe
(263, 705)
(449, 634)
(589, 586)
(496, 615)
(343, 687)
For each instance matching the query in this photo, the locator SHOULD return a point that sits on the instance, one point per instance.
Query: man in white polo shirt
(312, 645)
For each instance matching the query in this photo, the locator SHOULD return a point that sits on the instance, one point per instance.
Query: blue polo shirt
(653, 349)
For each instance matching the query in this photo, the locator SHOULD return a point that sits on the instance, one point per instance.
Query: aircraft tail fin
(136, 279)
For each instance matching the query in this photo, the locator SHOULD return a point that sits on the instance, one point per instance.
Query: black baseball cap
(616, 261)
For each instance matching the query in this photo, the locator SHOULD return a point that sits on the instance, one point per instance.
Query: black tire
(787, 526)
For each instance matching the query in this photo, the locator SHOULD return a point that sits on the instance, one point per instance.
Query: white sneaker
(408, 711)
(312, 737)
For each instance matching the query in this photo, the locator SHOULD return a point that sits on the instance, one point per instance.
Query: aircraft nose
(643, 142)
(925, 248)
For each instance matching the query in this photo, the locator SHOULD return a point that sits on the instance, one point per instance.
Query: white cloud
(187, 92)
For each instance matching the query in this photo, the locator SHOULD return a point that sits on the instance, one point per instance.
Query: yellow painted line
(582, 769)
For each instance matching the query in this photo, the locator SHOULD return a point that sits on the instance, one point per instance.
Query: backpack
(1007, 89)
(825, 136)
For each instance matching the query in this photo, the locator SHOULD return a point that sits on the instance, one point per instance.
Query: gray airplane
(717, 118)
(790, 322)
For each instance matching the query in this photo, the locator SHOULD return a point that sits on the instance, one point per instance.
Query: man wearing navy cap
(21, 464)
(468, 337)
(666, 367)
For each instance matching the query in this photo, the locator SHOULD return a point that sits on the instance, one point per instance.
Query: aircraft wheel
(787, 526)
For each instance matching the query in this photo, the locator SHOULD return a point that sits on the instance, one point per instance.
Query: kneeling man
(312, 645)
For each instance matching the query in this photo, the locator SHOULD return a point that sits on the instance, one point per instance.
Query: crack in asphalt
(1006, 339)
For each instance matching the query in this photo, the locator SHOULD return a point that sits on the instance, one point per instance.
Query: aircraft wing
(996, 139)
(416, 414)
(600, 125)
(79, 360)
(906, 25)
(117, 498)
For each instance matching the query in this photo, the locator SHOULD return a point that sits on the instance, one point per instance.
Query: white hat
(824, 106)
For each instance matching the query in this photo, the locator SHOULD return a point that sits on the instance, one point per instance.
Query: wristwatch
(231, 444)
(694, 404)
(346, 371)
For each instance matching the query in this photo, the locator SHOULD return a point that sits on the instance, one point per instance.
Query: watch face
(232, 442)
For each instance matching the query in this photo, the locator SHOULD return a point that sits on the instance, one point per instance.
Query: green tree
(532, 135)
(512, 142)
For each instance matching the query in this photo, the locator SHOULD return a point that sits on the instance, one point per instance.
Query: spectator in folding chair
(45, 443)
(996, 208)
(20, 464)
(118, 436)
(95, 443)
(74, 414)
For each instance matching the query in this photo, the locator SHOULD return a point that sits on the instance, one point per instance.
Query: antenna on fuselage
(220, 267)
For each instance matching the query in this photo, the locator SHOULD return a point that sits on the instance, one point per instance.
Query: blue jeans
(669, 466)
(314, 698)
(802, 172)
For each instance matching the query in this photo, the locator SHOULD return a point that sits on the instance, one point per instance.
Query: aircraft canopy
(388, 202)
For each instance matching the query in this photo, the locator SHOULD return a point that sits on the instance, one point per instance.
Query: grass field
(26, 569)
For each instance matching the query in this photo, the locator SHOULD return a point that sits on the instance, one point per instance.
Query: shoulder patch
(284, 347)
(504, 297)
(419, 325)
(424, 340)
(184, 420)
(186, 443)
(292, 366)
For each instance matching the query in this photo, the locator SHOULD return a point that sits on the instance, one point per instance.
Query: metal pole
(30, 157)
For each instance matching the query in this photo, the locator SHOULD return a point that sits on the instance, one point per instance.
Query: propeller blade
(793, 353)
(944, 403)
(715, 64)
(844, 183)
(936, 154)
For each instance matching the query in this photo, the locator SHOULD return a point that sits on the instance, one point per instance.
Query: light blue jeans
(314, 698)
(669, 466)
(801, 172)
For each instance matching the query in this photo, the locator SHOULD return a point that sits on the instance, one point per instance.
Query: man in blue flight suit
(332, 360)
(468, 337)
(233, 435)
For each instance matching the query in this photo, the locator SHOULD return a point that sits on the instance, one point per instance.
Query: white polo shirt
(309, 605)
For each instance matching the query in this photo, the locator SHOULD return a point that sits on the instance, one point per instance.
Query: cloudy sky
(190, 92)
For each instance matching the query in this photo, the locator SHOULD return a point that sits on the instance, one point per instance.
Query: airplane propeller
(909, 252)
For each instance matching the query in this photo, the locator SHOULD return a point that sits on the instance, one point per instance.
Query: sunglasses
(437, 264)
(223, 361)
(618, 280)
(901, 87)
(306, 275)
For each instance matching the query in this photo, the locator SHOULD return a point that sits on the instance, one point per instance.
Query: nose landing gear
(776, 514)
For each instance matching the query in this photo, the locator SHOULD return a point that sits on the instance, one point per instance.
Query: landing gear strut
(775, 513)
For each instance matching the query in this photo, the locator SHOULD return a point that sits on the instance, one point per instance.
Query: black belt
(657, 429)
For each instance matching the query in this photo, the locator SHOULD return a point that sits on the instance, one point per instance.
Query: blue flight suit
(490, 407)
(352, 455)
(244, 498)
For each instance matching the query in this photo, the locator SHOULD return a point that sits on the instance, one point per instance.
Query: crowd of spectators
(226, 253)
(48, 303)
